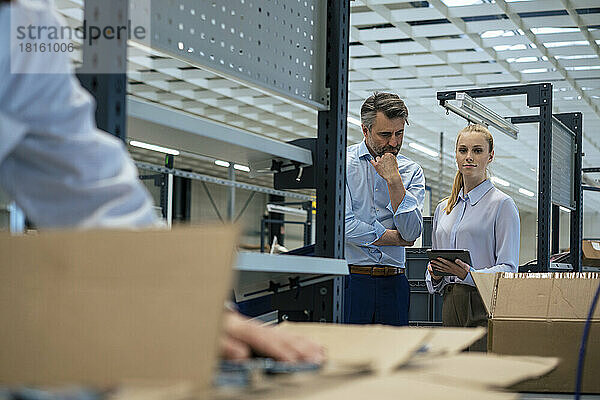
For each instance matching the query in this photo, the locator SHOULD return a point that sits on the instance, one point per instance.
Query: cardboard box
(544, 315)
(101, 308)
(591, 253)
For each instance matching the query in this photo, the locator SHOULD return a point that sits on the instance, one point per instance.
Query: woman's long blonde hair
(458, 178)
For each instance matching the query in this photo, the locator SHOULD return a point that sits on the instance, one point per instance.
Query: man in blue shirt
(384, 201)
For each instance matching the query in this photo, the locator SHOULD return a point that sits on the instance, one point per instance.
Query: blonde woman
(476, 217)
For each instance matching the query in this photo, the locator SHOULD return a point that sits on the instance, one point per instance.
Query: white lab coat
(54, 162)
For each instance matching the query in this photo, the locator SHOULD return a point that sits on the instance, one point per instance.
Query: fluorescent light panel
(226, 164)
(499, 181)
(354, 121)
(154, 147)
(241, 167)
(473, 111)
(526, 192)
(423, 149)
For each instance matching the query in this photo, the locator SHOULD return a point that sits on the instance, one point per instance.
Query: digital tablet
(450, 255)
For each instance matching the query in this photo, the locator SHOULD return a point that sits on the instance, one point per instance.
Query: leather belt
(378, 270)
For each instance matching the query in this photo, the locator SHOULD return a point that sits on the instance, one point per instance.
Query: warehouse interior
(214, 99)
(413, 50)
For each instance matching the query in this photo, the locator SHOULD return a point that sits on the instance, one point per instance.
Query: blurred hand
(457, 268)
(241, 337)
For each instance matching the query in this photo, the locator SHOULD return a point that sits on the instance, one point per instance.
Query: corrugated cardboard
(480, 369)
(446, 341)
(544, 315)
(371, 347)
(591, 253)
(98, 308)
(457, 377)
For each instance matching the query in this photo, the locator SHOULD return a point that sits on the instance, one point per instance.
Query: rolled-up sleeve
(408, 218)
(359, 232)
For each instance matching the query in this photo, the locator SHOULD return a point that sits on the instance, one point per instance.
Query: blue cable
(584, 338)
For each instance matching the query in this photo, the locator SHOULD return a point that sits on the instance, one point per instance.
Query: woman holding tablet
(476, 217)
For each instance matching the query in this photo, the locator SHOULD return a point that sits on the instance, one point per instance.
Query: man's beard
(388, 149)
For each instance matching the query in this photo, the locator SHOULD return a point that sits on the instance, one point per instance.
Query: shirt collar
(363, 151)
(477, 192)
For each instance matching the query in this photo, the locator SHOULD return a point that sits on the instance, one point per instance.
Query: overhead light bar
(154, 147)
(276, 208)
(222, 163)
(473, 111)
(423, 149)
(354, 121)
(499, 181)
(241, 167)
(526, 192)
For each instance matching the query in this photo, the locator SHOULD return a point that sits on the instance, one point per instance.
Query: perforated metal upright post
(574, 121)
(577, 214)
(331, 149)
(545, 177)
(104, 70)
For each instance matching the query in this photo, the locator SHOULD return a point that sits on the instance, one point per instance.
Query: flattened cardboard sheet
(451, 340)
(99, 308)
(375, 347)
(389, 387)
(481, 369)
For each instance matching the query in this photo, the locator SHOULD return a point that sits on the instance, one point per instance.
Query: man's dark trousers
(376, 299)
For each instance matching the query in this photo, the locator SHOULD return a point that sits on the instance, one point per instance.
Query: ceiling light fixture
(499, 181)
(154, 147)
(222, 163)
(241, 167)
(473, 111)
(354, 121)
(424, 149)
(526, 192)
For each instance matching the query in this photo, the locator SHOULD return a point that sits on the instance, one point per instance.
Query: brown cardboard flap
(486, 370)
(452, 340)
(522, 297)
(550, 296)
(486, 285)
(98, 308)
(377, 347)
(571, 298)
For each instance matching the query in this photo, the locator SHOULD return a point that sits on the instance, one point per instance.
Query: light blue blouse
(485, 222)
(369, 211)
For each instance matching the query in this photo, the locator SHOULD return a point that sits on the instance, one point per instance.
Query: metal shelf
(261, 274)
(262, 262)
(148, 122)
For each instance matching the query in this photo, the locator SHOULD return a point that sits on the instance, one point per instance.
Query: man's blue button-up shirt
(369, 211)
